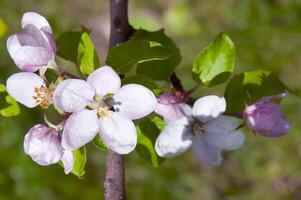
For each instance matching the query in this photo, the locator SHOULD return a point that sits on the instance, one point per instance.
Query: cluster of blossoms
(101, 105)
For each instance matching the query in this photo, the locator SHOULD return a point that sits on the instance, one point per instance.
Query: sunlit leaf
(97, 141)
(125, 56)
(13, 108)
(248, 87)
(87, 57)
(80, 159)
(216, 62)
(147, 135)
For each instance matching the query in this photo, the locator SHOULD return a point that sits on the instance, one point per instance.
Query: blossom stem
(121, 31)
(176, 83)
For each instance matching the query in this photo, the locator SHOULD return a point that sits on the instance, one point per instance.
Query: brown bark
(121, 31)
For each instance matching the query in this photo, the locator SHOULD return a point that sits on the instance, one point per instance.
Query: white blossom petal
(43, 145)
(206, 153)
(221, 132)
(134, 101)
(105, 80)
(172, 111)
(118, 133)
(80, 128)
(21, 87)
(13, 44)
(27, 58)
(32, 18)
(174, 140)
(73, 95)
(208, 107)
(222, 124)
(68, 161)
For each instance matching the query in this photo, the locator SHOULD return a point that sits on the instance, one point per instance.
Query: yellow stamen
(103, 112)
(43, 96)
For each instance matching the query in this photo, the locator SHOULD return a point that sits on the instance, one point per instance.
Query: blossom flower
(43, 145)
(34, 47)
(202, 127)
(112, 110)
(29, 89)
(266, 118)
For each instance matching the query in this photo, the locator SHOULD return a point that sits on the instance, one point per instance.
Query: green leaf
(143, 80)
(13, 109)
(158, 69)
(67, 45)
(87, 58)
(216, 62)
(147, 135)
(2, 88)
(80, 160)
(158, 121)
(97, 141)
(125, 56)
(248, 87)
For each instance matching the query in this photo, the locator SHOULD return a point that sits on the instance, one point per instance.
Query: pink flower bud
(266, 118)
(34, 47)
(43, 144)
(169, 107)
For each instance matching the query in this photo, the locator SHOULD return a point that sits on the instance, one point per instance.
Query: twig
(121, 31)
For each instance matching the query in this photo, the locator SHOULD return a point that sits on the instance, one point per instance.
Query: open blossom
(266, 118)
(34, 47)
(112, 110)
(29, 89)
(43, 145)
(202, 127)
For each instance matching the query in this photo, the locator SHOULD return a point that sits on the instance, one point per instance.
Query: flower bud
(34, 47)
(169, 107)
(266, 118)
(43, 144)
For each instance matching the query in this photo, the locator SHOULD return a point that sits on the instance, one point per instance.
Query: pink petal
(80, 128)
(174, 140)
(105, 80)
(43, 145)
(68, 161)
(208, 107)
(73, 95)
(118, 133)
(134, 101)
(32, 18)
(21, 87)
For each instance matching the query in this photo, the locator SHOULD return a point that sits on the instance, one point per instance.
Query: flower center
(43, 96)
(197, 128)
(103, 112)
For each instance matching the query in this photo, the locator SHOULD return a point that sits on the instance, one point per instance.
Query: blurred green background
(267, 35)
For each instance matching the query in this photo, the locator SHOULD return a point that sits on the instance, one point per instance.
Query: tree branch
(121, 31)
